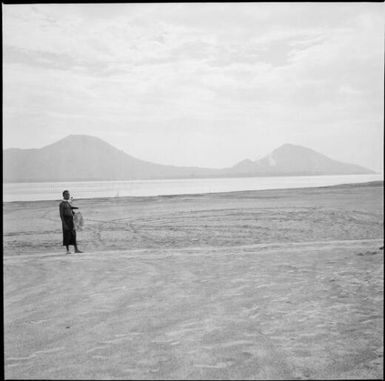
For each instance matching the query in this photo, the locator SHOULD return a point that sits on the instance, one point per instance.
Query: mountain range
(88, 158)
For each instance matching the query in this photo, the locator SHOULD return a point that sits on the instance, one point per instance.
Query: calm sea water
(95, 189)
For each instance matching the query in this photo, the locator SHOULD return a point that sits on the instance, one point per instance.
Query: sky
(204, 84)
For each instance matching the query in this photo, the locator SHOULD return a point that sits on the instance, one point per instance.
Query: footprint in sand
(38, 321)
(368, 253)
(95, 349)
(99, 357)
(115, 341)
(30, 357)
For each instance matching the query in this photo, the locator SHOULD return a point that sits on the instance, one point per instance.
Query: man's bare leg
(77, 250)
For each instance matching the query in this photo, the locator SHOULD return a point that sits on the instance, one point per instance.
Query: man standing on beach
(67, 218)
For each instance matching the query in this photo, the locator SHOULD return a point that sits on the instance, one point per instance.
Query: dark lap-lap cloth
(69, 235)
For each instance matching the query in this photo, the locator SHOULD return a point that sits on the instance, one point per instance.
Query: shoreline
(195, 178)
(230, 193)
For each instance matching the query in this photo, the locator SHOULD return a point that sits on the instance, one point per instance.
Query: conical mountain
(290, 159)
(84, 158)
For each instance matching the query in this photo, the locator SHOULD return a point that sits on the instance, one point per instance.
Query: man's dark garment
(67, 217)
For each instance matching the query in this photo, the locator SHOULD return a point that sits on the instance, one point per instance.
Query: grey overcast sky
(205, 84)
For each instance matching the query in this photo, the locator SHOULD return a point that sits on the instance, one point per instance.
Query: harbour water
(97, 189)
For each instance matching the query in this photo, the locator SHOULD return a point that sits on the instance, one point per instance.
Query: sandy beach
(280, 284)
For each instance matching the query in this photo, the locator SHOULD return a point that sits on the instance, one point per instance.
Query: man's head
(66, 195)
